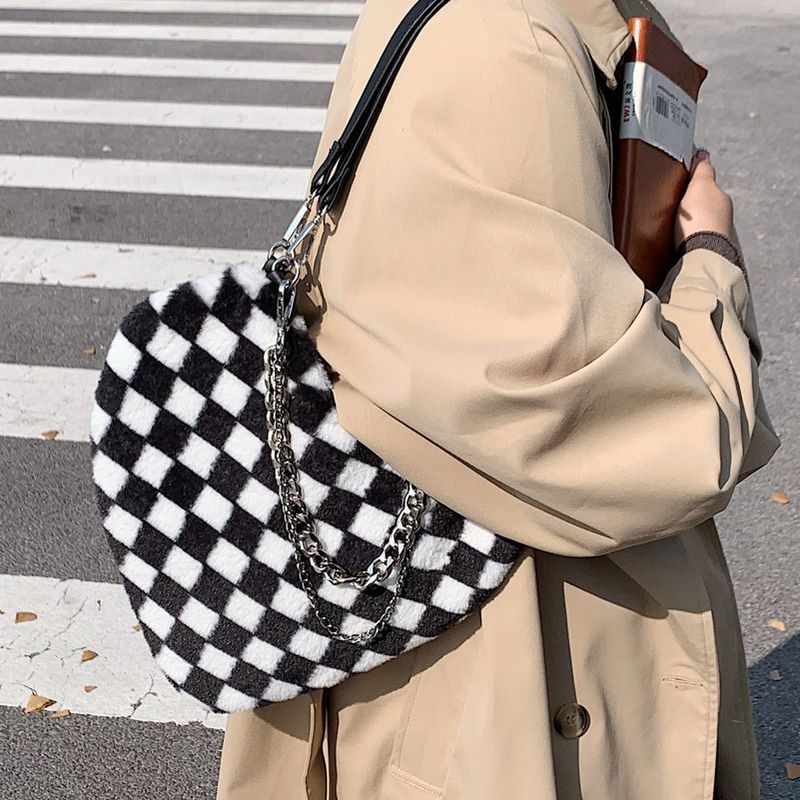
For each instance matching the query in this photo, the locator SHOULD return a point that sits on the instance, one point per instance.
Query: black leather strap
(331, 176)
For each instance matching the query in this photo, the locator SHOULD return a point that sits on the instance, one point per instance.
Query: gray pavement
(94, 758)
(750, 119)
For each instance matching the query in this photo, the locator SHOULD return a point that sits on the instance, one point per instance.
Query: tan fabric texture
(494, 348)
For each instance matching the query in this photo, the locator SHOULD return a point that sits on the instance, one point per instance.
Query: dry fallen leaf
(37, 703)
(775, 675)
(136, 627)
(88, 655)
(761, 236)
(87, 275)
(49, 435)
(96, 301)
(25, 616)
(89, 351)
(779, 497)
(89, 688)
(792, 770)
(63, 712)
(777, 624)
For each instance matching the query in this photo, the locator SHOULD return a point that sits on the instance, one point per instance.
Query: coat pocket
(433, 709)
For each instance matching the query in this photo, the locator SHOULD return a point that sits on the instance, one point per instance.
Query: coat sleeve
(501, 324)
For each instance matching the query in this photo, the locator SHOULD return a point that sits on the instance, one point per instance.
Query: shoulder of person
(490, 93)
(557, 38)
(474, 34)
(474, 64)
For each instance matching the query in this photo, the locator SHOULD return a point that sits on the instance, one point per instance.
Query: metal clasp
(282, 258)
(286, 297)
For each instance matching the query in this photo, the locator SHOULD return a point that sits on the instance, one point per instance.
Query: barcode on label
(662, 105)
(657, 111)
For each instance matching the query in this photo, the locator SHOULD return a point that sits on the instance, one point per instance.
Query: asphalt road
(749, 118)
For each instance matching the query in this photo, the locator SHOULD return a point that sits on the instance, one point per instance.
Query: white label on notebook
(657, 111)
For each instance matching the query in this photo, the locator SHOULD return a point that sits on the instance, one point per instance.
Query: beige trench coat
(495, 349)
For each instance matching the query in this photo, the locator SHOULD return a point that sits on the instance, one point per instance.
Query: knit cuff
(716, 243)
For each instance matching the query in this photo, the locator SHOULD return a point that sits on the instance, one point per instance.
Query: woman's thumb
(702, 166)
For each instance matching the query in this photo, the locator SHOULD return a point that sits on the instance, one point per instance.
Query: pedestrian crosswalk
(141, 144)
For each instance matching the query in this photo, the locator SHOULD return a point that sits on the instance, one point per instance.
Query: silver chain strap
(308, 549)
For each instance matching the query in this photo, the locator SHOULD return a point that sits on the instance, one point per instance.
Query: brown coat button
(571, 720)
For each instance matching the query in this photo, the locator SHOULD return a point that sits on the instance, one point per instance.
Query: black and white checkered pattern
(187, 494)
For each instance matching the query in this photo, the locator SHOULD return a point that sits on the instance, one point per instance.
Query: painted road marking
(44, 656)
(174, 33)
(266, 7)
(133, 66)
(112, 265)
(154, 177)
(34, 400)
(174, 115)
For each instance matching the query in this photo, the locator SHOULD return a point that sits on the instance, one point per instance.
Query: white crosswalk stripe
(140, 67)
(154, 177)
(73, 616)
(176, 97)
(111, 265)
(291, 8)
(173, 115)
(174, 33)
(38, 400)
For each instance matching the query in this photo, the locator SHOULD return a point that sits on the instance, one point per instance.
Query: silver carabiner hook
(283, 251)
(286, 297)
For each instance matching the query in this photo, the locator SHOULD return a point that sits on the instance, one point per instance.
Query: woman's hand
(705, 206)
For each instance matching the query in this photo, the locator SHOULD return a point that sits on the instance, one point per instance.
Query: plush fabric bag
(265, 550)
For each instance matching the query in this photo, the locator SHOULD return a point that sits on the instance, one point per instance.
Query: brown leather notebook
(655, 146)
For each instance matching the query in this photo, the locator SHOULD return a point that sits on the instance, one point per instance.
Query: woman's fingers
(704, 170)
(702, 163)
(705, 206)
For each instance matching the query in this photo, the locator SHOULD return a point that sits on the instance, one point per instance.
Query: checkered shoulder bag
(265, 550)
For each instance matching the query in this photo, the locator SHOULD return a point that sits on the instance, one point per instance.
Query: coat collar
(603, 26)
